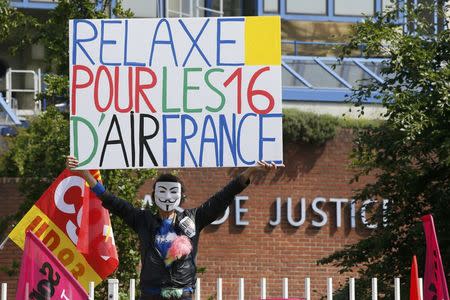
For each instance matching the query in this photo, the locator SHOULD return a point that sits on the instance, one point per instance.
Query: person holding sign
(169, 239)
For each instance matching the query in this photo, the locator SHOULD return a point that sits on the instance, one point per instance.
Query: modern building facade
(310, 32)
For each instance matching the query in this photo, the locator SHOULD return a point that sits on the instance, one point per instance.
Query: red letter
(238, 74)
(66, 256)
(141, 87)
(75, 86)
(116, 91)
(51, 240)
(96, 87)
(34, 223)
(78, 272)
(251, 93)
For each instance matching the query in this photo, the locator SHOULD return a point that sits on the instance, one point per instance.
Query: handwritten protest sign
(155, 93)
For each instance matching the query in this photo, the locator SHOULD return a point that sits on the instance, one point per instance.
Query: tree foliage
(409, 154)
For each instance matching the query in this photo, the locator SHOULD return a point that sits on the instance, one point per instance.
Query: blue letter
(163, 42)
(126, 62)
(231, 139)
(239, 139)
(208, 119)
(107, 42)
(219, 41)
(266, 139)
(77, 42)
(185, 137)
(194, 42)
(165, 138)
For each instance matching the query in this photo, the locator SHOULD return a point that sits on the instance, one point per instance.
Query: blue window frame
(29, 4)
(326, 12)
(307, 78)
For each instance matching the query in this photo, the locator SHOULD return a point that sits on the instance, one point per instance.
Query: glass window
(314, 74)
(316, 7)
(354, 7)
(271, 6)
(350, 72)
(290, 80)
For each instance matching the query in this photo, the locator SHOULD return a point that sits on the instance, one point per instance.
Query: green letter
(75, 120)
(187, 87)
(222, 96)
(164, 95)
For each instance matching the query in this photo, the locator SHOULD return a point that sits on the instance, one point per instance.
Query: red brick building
(319, 174)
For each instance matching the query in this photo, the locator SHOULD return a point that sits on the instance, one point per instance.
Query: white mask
(167, 195)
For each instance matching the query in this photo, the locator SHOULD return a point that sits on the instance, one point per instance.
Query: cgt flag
(58, 220)
(435, 284)
(42, 276)
(95, 237)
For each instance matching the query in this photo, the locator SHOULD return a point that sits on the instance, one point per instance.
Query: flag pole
(2, 245)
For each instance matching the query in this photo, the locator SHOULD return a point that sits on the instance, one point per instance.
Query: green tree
(409, 154)
(37, 154)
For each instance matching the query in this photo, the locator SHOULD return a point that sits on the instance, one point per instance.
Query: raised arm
(123, 209)
(215, 206)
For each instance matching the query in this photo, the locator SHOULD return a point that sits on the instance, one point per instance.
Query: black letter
(48, 266)
(119, 141)
(143, 139)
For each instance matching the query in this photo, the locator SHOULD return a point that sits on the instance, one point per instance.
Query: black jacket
(182, 272)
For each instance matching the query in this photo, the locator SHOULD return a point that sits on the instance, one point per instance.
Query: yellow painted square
(263, 41)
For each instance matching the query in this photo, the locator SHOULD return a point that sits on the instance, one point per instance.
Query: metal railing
(297, 45)
(113, 289)
(36, 89)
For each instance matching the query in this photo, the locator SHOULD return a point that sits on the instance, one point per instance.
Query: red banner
(435, 284)
(56, 219)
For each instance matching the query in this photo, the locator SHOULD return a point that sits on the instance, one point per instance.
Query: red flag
(95, 238)
(56, 220)
(435, 284)
(414, 290)
(42, 275)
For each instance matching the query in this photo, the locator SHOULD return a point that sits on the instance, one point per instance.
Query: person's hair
(167, 177)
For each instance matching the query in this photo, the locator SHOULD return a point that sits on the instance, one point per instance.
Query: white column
(307, 288)
(241, 294)
(113, 289)
(421, 288)
(219, 288)
(374, 289)
(397, 288)
(263, 288)
(330, 289)
(4, 291)
(91, 290)
(351, 289)
(132, 289)
(285, 288)
(198, 292)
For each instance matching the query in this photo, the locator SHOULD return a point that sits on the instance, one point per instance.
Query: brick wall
(258, 249)
(10, 200)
